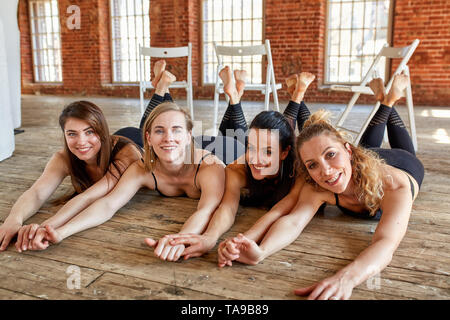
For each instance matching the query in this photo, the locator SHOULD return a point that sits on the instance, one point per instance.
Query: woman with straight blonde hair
(363, 181)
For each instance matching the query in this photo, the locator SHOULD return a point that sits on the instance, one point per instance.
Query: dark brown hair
(93, 115)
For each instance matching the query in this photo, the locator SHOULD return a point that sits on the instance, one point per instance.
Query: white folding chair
(176, 52)
(405, 54)
(266, 88)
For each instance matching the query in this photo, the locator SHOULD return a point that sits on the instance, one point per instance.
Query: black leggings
(225, 148)
(234, 124)
(402, 154)
(135, 134)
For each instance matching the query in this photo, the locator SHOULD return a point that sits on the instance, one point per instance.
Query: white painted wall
(10, 110)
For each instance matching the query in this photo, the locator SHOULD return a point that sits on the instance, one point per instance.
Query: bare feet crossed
(158, 69)
(298, 84)
(378, 89)
(397, 90)
(232, 89)
(166, 79)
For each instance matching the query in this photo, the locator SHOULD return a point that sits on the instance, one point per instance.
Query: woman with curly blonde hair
(365, 182)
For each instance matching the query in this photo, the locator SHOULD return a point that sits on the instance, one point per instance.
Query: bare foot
(158, 69)
(291, 81)
(304, 79)
(250, 252)
(240, 77)
(228, 85)
(164, 82)
(377, 87)
(397, 90)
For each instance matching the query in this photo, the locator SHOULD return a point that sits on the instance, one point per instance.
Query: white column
(10, 88)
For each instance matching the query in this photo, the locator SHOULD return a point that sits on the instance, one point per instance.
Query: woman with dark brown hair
(92, 158)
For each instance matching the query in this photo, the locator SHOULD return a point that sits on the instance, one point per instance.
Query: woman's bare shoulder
(207, 158)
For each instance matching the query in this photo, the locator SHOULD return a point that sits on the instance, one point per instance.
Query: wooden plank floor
(114, 262)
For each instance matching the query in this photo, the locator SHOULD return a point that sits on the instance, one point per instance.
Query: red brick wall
(429, 21)
(296, 29)
(175, 23)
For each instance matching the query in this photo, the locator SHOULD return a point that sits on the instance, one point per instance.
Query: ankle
(388, 101)
(234, 98)
(160, 90)
(298, 98)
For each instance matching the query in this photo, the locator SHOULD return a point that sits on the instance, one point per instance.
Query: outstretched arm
(126, 156)
(396, 206)
(103, 209)
(31, 200)
(211, 180)
(221, 221)
(282, 232)
(283, 207)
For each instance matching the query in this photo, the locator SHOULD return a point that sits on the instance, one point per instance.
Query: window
(232, 23)
(46, 42)
(130, 27)
(356, 32)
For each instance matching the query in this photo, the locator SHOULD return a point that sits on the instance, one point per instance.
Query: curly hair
(367, 172)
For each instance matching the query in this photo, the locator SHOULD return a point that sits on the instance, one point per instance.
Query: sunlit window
(356, 32)
(232, 23)
(46, 41)
(130, 27)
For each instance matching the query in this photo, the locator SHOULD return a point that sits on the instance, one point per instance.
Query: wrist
(13, 220)
(350, 275)
(62, 232)
(249, 235)
(47, 223)
(212, 238)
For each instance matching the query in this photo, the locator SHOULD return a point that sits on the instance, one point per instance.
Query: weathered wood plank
(118, 287)
(118, 265)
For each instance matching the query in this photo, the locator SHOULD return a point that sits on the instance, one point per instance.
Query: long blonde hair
(150, 156)
(367, 174)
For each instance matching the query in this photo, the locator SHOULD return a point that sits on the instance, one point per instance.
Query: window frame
(111, 40)
(202, 45)
(388, 41)
(33, 34)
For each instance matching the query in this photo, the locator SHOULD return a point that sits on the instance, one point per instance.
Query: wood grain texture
(115, 263)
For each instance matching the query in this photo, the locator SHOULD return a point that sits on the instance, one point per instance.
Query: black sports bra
(366, 214)
(195, 177)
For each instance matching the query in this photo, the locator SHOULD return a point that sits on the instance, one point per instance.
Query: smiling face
(328, 162)
(264, 154)
(169, 137)
(82, 140)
